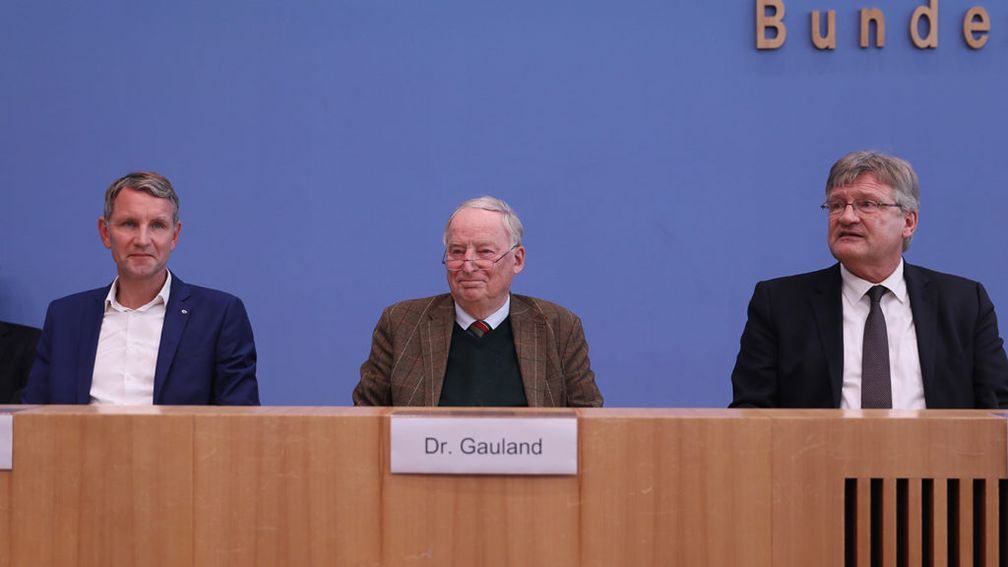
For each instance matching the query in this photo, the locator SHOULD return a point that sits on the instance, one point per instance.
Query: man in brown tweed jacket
(479, 345)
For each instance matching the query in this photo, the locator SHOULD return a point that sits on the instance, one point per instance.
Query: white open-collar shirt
(128, 349)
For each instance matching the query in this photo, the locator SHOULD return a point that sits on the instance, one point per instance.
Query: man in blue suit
(148, 337)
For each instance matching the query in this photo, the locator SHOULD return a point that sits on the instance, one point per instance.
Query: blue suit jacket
(206, 356)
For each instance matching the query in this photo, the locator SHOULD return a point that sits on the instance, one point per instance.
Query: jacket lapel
(531, 346)
(435, 341)
(177, 314)
(828, 311)
(924, 306)
(88, 344)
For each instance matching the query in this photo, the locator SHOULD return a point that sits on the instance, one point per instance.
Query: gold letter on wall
(931, 13)
(776, 21)
(976, 24)
(829, 41)
(869, 15)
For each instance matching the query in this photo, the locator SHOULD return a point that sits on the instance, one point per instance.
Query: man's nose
(849, 215)
(142, 236)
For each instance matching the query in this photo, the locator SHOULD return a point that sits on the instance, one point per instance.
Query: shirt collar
(161, 297)
(496, 318)
(854, 288)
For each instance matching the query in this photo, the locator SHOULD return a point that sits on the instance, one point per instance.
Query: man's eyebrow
(474, 243)
(857, 194)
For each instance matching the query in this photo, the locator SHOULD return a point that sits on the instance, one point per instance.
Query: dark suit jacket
(17, 351)
(791, 352)
(409, 354)
(206, 356)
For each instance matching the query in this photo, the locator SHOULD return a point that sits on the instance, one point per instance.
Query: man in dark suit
(17, 351)
(148, 337)
(480, 345)
(871, 331)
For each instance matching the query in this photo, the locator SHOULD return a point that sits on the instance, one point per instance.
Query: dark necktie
(876, 390)
(479, 328)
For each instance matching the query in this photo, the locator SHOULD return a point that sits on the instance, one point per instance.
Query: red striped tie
(479, 328)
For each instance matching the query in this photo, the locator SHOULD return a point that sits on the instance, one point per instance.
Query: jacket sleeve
(755, 377)
(579, 380)
(374, 388)
(36, 391)
(235, 382)
(990, 367)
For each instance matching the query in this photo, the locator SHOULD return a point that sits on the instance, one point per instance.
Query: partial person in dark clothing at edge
(17, 352)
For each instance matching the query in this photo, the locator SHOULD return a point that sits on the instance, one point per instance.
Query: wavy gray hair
(512, 223)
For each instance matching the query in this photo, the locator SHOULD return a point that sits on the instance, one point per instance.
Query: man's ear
(103, 232)
(178, 230)
(519, 259)
(910, 227)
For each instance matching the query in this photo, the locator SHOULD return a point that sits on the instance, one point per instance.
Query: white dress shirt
(904, 359)
(496, 318)
(128, 349)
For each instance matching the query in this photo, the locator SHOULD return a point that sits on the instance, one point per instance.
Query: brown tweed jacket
(409, 354)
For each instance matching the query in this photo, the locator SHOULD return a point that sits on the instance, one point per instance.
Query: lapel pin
(185, 311)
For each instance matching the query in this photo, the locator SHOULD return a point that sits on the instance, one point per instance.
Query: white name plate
(473, 443)
(6, 442)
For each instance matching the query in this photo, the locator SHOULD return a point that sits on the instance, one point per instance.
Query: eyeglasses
(861, 206)
(455, 260)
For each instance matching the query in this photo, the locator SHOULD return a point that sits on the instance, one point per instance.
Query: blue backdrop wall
(661, 164)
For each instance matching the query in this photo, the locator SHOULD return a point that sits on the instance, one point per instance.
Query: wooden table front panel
(5, 518)
(100, 490)
(310, 486)
(287, 489)
(667, 488)
(814, 452)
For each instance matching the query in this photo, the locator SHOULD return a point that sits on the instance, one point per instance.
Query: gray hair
(153, 184)
(889, 170)
(487, 203)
